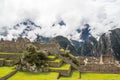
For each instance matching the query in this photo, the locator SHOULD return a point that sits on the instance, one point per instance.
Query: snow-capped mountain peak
(29, 29)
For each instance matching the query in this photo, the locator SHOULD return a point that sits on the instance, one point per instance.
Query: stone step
(64, 69)
(55, 63)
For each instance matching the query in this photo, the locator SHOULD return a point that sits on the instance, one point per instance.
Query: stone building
(107, 59)
(20, 44)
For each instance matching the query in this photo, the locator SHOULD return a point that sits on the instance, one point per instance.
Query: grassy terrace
(34, 76)
(91, 76)
(51, 56)
(53, 75)
(62, 67)
(5, 70)
(74, 76)
(56, 60)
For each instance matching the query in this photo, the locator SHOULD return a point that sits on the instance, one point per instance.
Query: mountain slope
(65, 43)
(109, 43)
(87, 48)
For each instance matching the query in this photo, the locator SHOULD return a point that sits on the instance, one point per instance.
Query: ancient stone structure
(20, 44)
(104, 63)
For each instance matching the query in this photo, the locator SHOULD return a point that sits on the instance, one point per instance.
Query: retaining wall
(55, 64)
(98, 68)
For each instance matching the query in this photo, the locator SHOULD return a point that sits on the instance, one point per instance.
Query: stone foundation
(9, 63)
(2, 62)
(98, 68)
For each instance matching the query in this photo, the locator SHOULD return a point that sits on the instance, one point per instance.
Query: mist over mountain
(81, 23)
(59, 17)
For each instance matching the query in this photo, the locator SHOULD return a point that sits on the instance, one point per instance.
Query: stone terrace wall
(98, 68)
(13, 46)
(55, 64)
(10, 56)
(20, 44)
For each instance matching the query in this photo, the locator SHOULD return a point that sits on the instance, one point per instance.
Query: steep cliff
(109, 43)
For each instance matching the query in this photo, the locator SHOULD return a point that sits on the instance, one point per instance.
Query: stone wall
(98, 68)
(9, 63)
(10, 56)
(20, 45)
(55, 64)
(2, 61)
(13, 46)
(93, 64)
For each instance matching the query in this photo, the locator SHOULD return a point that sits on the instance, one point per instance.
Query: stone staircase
(57, 65)
(68, 61)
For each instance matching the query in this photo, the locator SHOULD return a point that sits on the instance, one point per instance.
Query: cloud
(101, 15)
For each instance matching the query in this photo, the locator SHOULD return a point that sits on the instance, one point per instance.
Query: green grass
(91, 76)
(9, 53)
(53, 75)
(5, 70)
(51, 56)
(34, 76)
(62, 67)
(56, 60)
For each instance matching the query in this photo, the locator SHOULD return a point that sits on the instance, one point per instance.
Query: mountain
(79, 41)
(87, 47)
(26, 28)
(65, 43)
(32, 31)
(109, 43)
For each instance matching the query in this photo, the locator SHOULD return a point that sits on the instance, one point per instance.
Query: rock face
(87, 47)
(109, 43)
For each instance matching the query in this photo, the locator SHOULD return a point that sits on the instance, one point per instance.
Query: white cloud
(102, 15)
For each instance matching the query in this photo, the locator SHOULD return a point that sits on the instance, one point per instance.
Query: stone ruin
(33, 61)
(104, 63)
(20, 44)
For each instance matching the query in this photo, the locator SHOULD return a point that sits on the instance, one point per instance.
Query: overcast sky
(102, 15)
